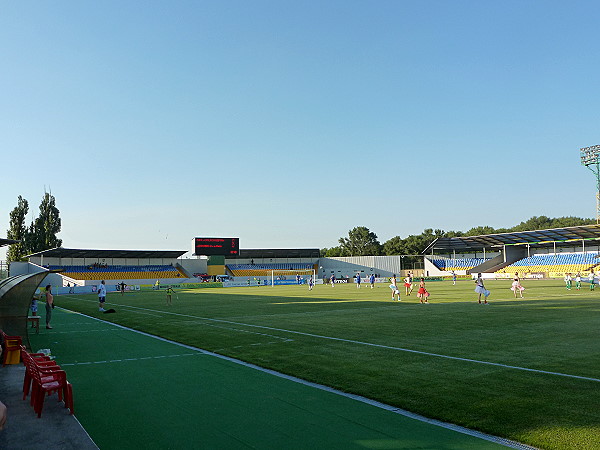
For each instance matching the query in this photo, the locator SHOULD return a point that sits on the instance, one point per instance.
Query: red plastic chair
(30, 362)
(47, 380)
(40, 359)
(11, 347)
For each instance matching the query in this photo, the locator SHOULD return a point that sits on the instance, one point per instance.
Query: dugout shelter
(15, 297)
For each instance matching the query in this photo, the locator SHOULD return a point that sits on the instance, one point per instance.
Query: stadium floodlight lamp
(590, 158)
(590, 155)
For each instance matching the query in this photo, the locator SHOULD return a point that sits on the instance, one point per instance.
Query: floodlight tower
(590, 158)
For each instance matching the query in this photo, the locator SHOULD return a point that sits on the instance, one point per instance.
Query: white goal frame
(293, 273)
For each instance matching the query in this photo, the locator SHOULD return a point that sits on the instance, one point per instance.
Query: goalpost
(281, 276)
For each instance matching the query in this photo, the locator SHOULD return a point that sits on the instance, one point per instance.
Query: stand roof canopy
(559, 237)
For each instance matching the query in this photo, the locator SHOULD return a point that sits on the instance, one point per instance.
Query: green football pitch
(526, 369)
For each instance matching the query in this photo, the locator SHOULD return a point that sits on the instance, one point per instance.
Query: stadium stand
(556, 262)
(262, 270)
(84, 267)
(118, 272)
(555, 251)
(457, 264)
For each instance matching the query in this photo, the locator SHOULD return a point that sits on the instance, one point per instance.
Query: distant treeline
(363, 242)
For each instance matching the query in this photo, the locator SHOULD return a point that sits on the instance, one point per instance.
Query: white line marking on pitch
(254, 345)
(203, 322)
(82, 331)
(128, 359)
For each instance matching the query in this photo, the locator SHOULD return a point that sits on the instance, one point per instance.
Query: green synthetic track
(136, 391)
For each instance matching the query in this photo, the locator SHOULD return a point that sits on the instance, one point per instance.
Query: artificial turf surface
(357, 341)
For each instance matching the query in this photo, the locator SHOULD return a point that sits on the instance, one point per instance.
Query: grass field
(448, 360)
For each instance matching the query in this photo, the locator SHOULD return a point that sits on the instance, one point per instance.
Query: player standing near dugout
(49, 306)
(372, 281)
(101, 296)
(358, 280)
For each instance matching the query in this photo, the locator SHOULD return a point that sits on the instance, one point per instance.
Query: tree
(333, 252)
(451, 234)
(17, 231)
(480, 231)
(360, 242)
(577, 221)
(43, 230)
(414, 244)
(535, 223)
(563, 222)
(394, 246)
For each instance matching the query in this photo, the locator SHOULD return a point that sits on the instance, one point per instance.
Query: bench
(35, 323)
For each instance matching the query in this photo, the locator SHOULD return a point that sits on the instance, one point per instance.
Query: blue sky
(288, 123)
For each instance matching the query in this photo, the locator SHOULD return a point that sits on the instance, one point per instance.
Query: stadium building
(534, 254)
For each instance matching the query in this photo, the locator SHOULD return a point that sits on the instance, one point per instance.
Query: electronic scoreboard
(216, 246)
